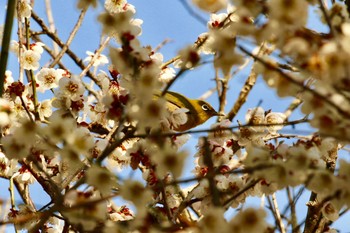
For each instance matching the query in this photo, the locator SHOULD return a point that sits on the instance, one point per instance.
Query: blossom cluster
(82, 139)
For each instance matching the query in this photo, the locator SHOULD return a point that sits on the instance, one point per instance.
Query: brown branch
(248, 86)
(240, 192)
(315, 221)
(208, 162)
(95, 57)
(192, 13)
(293, 221)
(69, 52)
(48, 50)
(300, 84)
(51, 23)
(70, 39)
(246, 89)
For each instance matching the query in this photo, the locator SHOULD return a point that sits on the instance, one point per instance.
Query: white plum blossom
(80, 141)
(216, 20)
(14, 47)
(24, 9)
(59, 128)
(5, 112)
(276, 120)
(249, 220)
(30, 60)
(7, 166)
(71, 87)
(169, 160)
(48, 78)
(99, 61)
(14, 148)
(24, 177)
(101, 178)
(189, 58)
(211, 5)
(121, 25)
(115, 6)
(37, 47)
(45, 109)
(84, 4)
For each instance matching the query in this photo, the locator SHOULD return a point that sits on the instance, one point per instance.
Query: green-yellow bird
(199, 111)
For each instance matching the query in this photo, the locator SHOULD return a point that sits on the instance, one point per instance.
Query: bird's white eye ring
(205, 107)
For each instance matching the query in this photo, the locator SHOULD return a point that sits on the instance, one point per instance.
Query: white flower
(14, 148)
(71, 87)
(167, 74)
(276, 120)
(37, 47)
(8, 79)
(255, 116)
(119, 158)
(180, 140)
(330, 211)
(189, 58)
(120, 214)
(24, 9)
(169, 161)
(80, 141)
(24, 177)
(5, 112)
(48, 78)
(100, 60)
(178, 117)
(135, 192)
(45, 109)
(87, 211)
(30, 60)
(115, 6)
(213, 221)
(100, 178)
(59, 128)
(284, 12)
(249, 220)
(210, 5)
(84, 4)
(216, 20)
(117, 23)
(14, 47)
(7, 167)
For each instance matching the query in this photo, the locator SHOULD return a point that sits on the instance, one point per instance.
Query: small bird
(198, 112)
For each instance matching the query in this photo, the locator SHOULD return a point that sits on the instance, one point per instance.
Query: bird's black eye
(205, 107)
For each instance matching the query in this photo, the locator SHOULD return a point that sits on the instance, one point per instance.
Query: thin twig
(193, 13)
(278, 215)
(31, 73)
(48, 50)
(293, 214)
(69, 52)
(70, 39)
(208, 162)
(326, 16)
(240, 192)
(95, 57)
(300, 84)
(51, 23)
(246, 89)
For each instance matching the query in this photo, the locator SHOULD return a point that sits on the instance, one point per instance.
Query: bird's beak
(220, 114)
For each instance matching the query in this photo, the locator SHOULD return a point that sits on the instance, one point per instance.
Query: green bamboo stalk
(11, 4)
